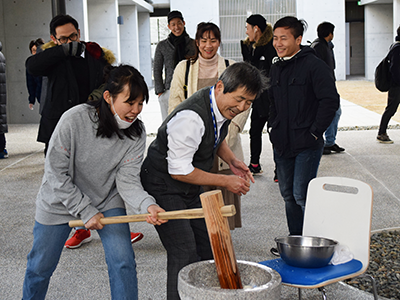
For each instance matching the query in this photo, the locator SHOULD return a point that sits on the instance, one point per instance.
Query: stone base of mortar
(199, 281)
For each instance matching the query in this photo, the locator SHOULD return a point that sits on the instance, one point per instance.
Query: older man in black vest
(179, 160)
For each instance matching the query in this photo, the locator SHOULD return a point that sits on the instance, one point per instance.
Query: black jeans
(2, 142)
(391, 108)
(256, 129)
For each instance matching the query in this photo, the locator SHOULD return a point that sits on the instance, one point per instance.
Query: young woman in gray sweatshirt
(91, 170)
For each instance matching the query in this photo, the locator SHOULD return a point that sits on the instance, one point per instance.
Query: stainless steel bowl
(305, 251)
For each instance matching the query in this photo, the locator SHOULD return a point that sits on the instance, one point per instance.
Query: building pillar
(396, 16)
(145, 47)
(378, 35)
(332, 11)
(103, 26)
(130, 36)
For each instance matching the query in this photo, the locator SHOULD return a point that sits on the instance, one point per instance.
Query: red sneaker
(81, 236)
(136, 237)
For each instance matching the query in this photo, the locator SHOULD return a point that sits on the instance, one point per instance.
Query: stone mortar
(199, 281)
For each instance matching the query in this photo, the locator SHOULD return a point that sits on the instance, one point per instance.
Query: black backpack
(383, 78)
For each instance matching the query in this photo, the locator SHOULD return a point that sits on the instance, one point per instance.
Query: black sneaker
(384, 139)
(255, 170)
(326, 151)
(334, 148)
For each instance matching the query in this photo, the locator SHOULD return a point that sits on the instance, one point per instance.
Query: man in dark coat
(3, 104)
(323, 46)
(74, 69)
(303, 103)
(257, 50)
(394, 91)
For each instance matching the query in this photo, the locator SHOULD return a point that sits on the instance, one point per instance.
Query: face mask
(122, 124)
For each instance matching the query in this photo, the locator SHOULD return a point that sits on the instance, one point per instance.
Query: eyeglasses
(63, 40)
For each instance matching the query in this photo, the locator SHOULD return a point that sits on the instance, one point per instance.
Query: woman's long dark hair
(116, 78)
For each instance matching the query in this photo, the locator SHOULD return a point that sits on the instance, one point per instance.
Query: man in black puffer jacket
(303, 103)
(257, 49)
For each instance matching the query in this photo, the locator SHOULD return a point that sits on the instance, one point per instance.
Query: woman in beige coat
(204, 70)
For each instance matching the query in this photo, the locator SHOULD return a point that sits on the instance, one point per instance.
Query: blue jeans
(294, 174)
(330, 133)
(46, 252)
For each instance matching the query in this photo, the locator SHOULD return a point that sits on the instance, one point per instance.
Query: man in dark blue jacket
(323, 46)
(304, 101)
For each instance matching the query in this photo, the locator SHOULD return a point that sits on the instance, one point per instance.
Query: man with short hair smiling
(169, 53)
(179, 161)
(74, 69)
(304, 101)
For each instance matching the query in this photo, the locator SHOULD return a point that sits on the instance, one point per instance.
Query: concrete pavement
(82, 273)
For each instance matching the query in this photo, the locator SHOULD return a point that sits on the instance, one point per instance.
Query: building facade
(364, 31)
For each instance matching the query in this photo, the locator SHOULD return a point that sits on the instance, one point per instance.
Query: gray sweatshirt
(85, 174)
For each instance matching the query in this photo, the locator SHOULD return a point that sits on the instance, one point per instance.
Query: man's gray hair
(243, 74)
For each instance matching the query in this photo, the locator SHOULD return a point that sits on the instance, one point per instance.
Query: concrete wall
(103, 27)
(396, 16)
(332, 11)
(145, 47)
(129, 36)
(378, 35)
(20, 22)
(25, 20)
(196, 12)
(78, 10)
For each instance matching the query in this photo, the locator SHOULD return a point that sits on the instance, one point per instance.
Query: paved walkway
(82, 273)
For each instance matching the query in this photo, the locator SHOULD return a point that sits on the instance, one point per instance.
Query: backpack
(185, 87)
(383, 78)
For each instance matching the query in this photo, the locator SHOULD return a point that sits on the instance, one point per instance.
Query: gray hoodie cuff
(88, 213)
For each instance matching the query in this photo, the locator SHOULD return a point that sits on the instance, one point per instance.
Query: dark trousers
(186, 241)
(2, 142)
(295, 173)
(391, 108)
(257, 124)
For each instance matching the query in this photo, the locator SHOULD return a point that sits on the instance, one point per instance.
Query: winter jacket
(3, 93)
(260, 55)
(164, 56)
(304, 101)
(63, 89)
(324, 51)
(394, 57)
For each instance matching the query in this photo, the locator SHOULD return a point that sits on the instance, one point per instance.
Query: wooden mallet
(197, 213)
(220, 239)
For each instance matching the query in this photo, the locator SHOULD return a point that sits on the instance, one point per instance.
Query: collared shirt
(185, 131)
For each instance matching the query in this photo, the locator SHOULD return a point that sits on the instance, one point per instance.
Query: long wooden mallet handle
(197, 213)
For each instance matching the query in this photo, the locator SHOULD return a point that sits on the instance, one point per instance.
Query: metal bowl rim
(334, 242)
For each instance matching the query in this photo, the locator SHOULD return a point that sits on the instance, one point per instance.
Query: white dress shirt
(185, 131)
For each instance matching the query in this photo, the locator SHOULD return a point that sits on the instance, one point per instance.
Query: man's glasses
(63, 40)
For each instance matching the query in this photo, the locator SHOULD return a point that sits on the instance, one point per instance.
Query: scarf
(179, 43)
